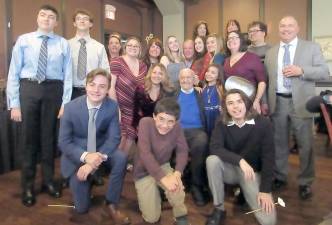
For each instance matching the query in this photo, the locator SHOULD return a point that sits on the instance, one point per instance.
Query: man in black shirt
(242, 152)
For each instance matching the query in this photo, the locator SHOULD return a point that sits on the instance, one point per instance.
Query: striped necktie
(81, 63)
(287, 82)
(42, 61)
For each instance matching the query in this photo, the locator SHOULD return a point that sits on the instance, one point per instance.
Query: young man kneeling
(158, 138)
(242, 152)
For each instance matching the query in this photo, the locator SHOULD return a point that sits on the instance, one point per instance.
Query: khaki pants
(149, 200)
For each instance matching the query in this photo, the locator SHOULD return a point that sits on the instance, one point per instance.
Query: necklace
(209, 92)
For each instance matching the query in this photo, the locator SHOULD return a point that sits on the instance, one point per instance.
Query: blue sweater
(190, 114)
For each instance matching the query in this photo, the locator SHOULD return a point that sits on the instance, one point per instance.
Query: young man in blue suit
(89, 136)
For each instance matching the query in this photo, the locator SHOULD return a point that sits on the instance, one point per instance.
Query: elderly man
(293, 66)
(192, 120)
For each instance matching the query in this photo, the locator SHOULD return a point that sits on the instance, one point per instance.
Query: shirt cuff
(82, 158)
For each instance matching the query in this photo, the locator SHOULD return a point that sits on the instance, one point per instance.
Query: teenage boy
(89, 136)
(39, 84)
(158, 138)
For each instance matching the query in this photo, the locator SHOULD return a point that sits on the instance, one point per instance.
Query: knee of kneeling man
(212, 160)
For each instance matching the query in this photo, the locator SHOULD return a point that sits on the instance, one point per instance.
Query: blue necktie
(91, 144)
(287, 82)
(81, 63)
(42, 61)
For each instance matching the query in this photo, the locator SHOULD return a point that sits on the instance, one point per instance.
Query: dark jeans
(40, 104)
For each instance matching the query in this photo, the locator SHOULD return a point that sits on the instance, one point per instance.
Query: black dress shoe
(28, 197)
(305, 192)
(217, 217)
(198, 196)
(279, 184)
(51, 190)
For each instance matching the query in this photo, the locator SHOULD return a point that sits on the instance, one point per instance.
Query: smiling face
(211, 44)
(46, 20)
(233, 42)
(199, 45)
(97, 89)
(211, 75)
(236, 107)
(157, 75)
(114, 46)
(82, 22)
(173, 44)
(256, 35)
(186, 79)
(288, 29)
(201, 30)
(133, 48)
(164, 122)
(188, 49)
(154, 51)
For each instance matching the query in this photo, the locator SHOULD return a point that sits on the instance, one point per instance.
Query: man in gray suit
(293, 66)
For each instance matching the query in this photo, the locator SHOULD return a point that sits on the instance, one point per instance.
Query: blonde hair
(168, 52)
(219, 41)
(165, 84)
(139, 43)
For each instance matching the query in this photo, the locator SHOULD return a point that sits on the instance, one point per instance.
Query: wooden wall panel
(94, 7)
(3, 44)
(24, 16)
(207, 10)
(245, 11)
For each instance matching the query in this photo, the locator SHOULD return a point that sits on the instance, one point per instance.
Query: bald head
(188, 49)
(186, 79)
(288, 29)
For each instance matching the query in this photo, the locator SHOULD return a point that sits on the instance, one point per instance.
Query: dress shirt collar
(87, 38)
(292, 43)
(90, 106)
(188, 92)
(232, 123)
(40, 33)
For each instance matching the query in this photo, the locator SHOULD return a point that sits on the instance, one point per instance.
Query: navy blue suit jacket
(74, 132)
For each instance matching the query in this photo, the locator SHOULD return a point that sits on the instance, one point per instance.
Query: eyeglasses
(82, 18)
(133, 46)
(253, 31)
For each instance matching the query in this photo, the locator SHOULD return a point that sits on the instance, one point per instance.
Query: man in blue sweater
(192, 120)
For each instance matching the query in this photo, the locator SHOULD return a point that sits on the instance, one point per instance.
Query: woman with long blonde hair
(156, 86)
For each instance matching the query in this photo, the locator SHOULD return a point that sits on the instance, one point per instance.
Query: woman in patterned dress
(127, 73)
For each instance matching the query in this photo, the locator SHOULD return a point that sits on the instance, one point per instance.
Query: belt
(79, 88)
(34, 80)
(284, 95)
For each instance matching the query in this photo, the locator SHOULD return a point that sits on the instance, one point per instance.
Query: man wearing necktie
(39, 84)
(87, 54)
(89, 137)
(293, 67)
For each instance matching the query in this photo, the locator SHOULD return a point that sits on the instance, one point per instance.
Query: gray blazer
(309, 57)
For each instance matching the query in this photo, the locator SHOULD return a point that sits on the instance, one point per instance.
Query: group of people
(171, 103)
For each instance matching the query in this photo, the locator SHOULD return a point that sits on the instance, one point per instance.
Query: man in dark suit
(89, 136)
(293, 66)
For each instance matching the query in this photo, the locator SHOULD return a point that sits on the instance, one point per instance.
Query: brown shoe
(116, 215)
